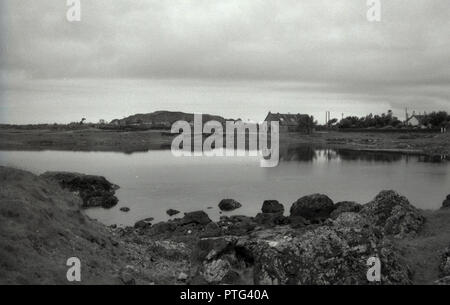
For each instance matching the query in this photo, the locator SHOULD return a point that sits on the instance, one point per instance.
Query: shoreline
(235, 250)
(91, 139)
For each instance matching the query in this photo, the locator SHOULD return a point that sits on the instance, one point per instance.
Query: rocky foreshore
(318, 242)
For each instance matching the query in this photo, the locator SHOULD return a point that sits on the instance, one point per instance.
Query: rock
(272, 206)
(444, 267)
(271, 219)
(351, 220)
(172, 212)
(315, 208)
(144, 224)
(215, 271)
(212, 229)
(127, 279)
(125, 209)
(229, 205)
(182, 277)
(446, 203)
(210, 248)
(393, 214)
(443, 281)
(329, 254)
(237, 224)
(197, 217)
(298, 222)
(95, 191)
(345, 206)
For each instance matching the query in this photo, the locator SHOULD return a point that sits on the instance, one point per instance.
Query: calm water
(155, 181)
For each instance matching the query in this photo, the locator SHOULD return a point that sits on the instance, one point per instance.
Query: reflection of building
(292, 122)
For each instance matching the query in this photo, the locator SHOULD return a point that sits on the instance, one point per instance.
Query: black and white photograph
(224, 147)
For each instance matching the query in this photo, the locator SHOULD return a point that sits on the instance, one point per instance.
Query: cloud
(405, 56)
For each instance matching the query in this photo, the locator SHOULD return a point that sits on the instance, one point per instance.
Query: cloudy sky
(237, 58)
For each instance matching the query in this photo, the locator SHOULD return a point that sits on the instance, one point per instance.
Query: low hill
(162, 118)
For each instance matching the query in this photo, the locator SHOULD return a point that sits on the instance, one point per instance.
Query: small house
(292, 122)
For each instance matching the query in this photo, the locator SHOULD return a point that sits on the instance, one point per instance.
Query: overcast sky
(298, 48)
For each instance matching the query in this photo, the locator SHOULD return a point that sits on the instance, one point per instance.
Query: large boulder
(446, 203)
(315, 208)
(197, 217)
(229, 205)
(336, 253)
(343, 207)
(95, 191)
(272, 206)
(393, 214)
(172, 212)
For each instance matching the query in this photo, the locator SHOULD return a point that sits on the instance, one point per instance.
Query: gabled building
(292, 122)
(416, 121)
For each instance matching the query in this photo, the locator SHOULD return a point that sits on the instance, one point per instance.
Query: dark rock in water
(144, 224)
(315, 208)
(229, 205)
(197, 217)
(272, 206)
(172, 212)
(446, 203)
(95, 191)
(345, 206)
(125, 209)
(393, 214)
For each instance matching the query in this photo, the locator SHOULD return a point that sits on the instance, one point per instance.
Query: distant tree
(370, 121)
(437, 119)
(332, 122)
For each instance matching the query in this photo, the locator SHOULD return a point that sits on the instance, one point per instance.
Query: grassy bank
(92, 139)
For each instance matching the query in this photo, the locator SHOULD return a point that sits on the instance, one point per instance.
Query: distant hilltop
(163, 119)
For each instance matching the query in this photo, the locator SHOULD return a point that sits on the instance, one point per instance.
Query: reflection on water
(308, 153)
(154, 181)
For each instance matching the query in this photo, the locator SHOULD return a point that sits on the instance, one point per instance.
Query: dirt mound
(41, 226)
